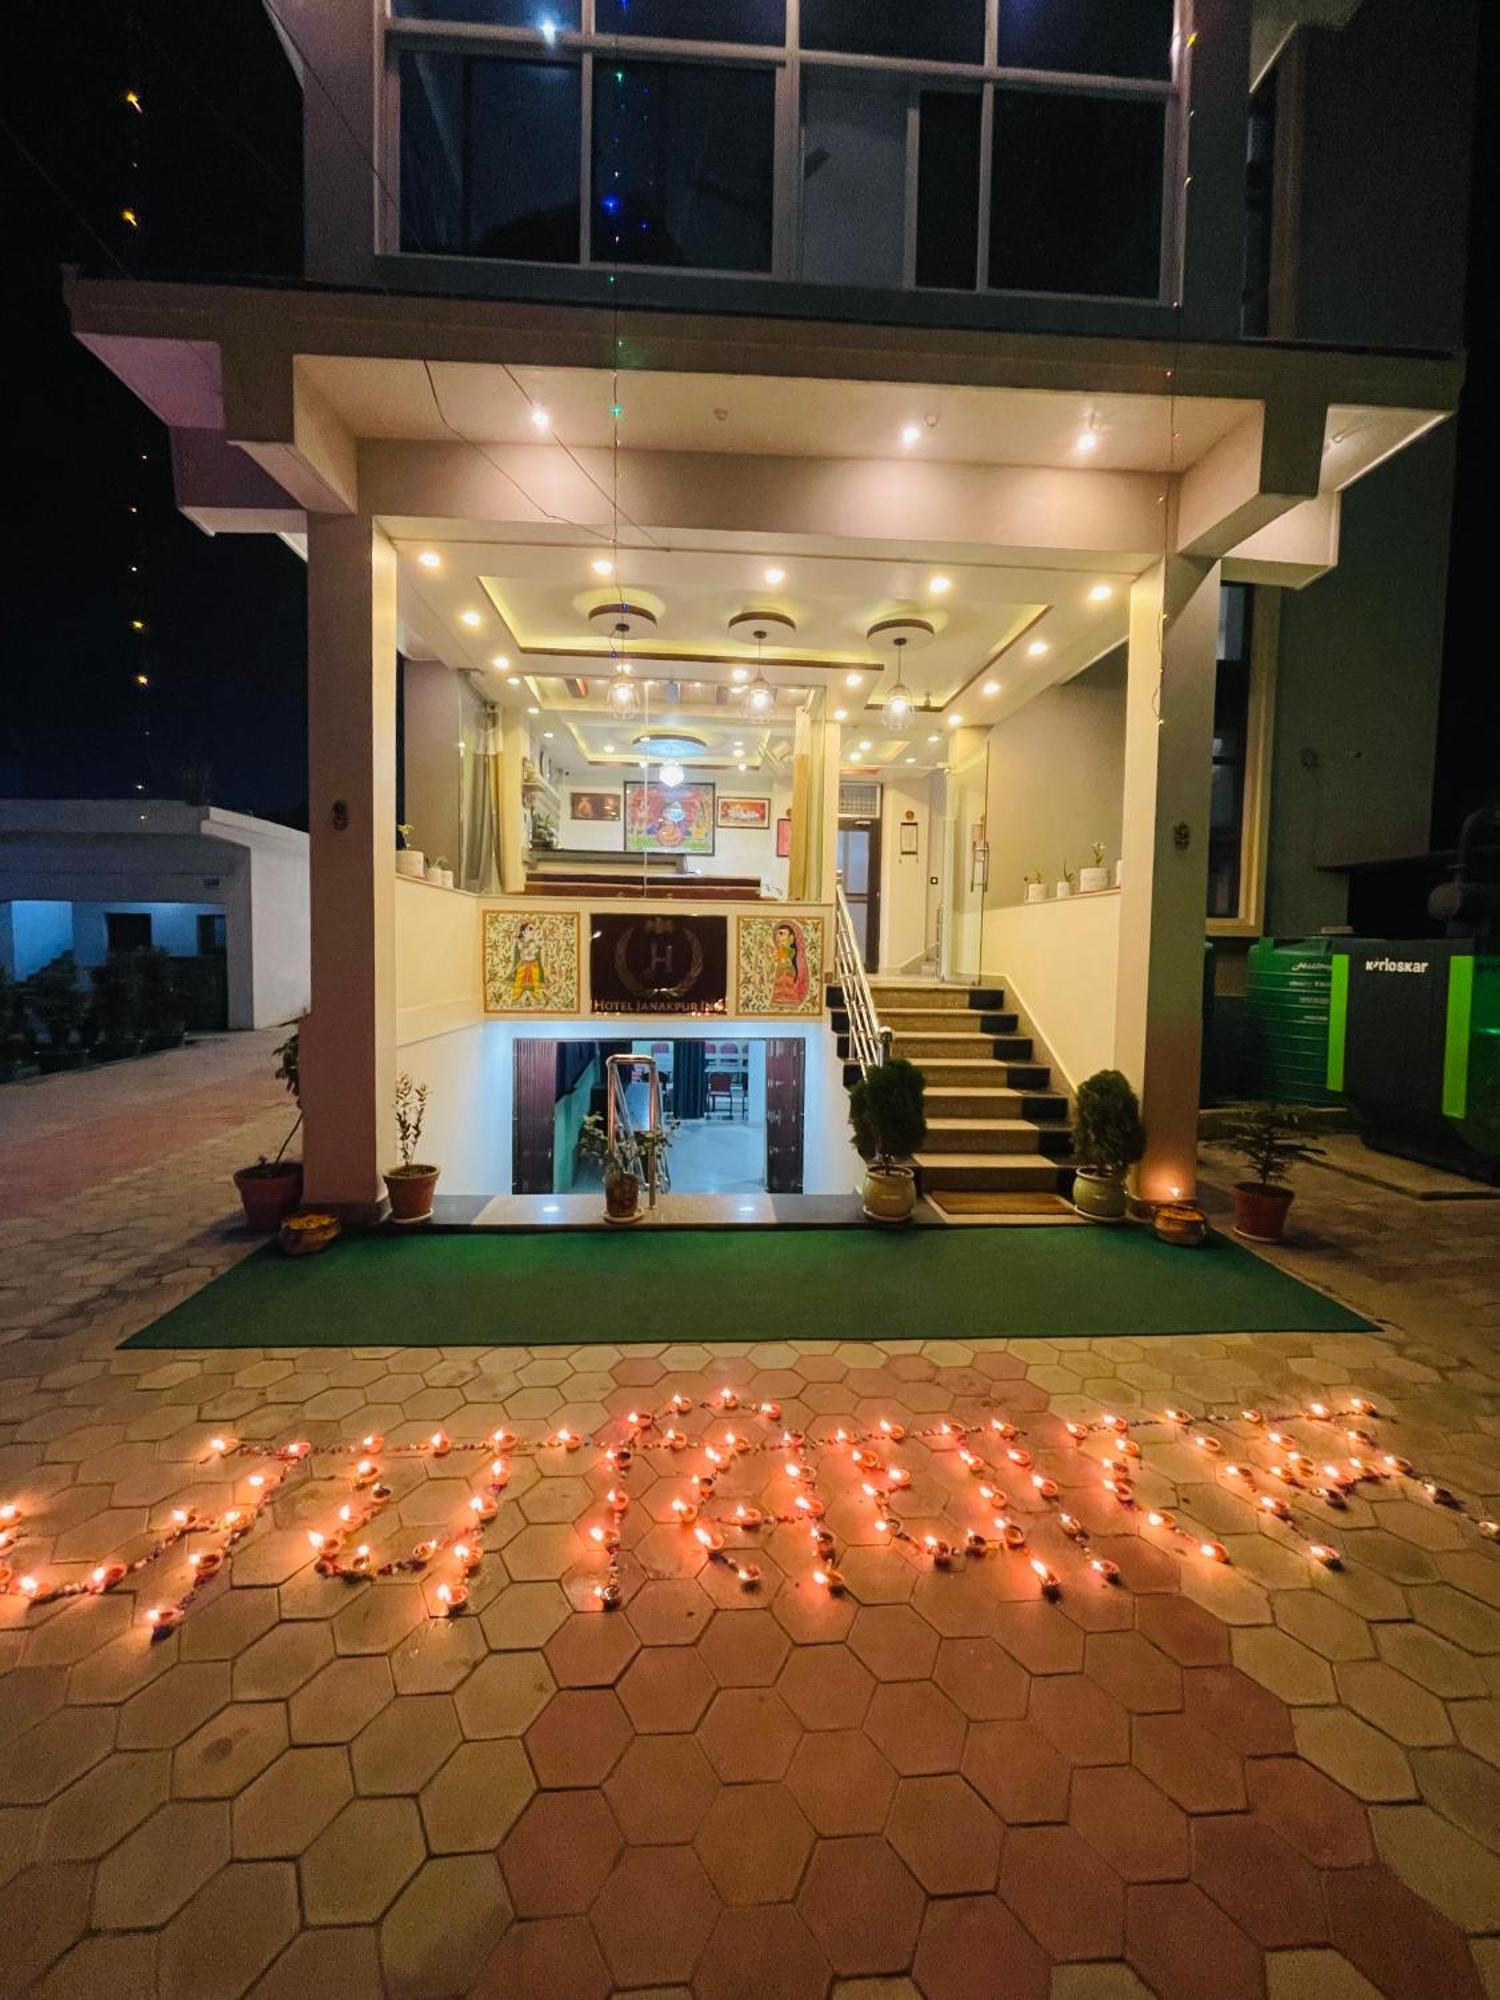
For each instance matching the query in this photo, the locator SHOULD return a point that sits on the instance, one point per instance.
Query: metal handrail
(870, 1042)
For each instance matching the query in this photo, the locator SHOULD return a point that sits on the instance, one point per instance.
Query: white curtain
(481, 806)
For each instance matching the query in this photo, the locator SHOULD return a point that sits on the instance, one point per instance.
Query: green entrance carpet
(531, 1289)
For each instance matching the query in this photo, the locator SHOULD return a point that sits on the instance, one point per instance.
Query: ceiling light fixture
(540, 419)
(500, 662)
(954, 721)
(602, 566)
(940, 585)
(854, 680)
(743, 767)
(430, 559)
(866, 744)
(898, 702)
(1086, 441)
(992, 687)
(841, 715)
(1100, 594)
(775, 576)
(739, 675)
(609, 749)
(470, 618)
(760, 695)
(671, 774)
(624, 695)
(934, 739)
(910, 433)
(1037, 648)
(512, 680)
(533, 710)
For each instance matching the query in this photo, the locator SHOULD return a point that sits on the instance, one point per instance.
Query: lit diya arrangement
(1299, 1483)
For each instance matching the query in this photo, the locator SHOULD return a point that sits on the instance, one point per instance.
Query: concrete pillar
(1169, 715)
(349, 1041)
(798, 869)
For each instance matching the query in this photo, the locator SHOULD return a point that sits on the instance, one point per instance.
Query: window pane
(948, 189)
(695, 20)
(853, 179)
(949, 30)
(492, 13)
(432, 95)
(683, 165)
(1076, 198)
(1088, 37)
(523, 154)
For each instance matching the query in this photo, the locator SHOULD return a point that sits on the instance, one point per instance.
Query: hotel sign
(658, 964)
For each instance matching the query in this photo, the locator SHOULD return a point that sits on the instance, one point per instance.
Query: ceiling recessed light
(500, 662)
(992, 687)
(934, 739)
(533, 711)
(910, 434)
(512, 680)
(1100, 594)
(854, 680)
(1086, 441)
(1037, 648)
(609, 749)
(841, 715)
(602, 566)
(911, 760)
(470, 618)
(744, 767)
(738, 674)
(866, 744)
(954, 721)
(775, 576)
(940, 585)
(430, 559)
(539, 418)
(547, 735)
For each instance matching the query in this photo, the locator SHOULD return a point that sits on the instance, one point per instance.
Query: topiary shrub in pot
(17, 1042)
(163, 1017)
(271, 1189)
(1108, 1139)
(1268, 1138)
(57, 1001)
(117, 1008)
(888, 1112)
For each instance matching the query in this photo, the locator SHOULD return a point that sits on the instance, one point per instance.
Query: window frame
(1255, 803)
(788, 60)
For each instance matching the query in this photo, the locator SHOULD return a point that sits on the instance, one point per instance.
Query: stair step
(1040, 1106)
(1002, 1048)
(995, 1135)
(951, 999)
(994, 1173)
(944, 1021)
(994, 1074)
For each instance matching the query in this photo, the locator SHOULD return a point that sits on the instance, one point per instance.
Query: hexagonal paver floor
(1260, 1780)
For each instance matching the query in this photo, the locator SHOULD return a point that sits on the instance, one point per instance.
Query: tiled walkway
(1260, 1781)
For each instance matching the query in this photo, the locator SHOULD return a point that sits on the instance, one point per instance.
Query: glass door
(859, 871)
(966, 857)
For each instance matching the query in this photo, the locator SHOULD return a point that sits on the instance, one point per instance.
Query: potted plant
(623, 1163)
(1268, 1138)
(410, 1185)
(1065, 882)
(886, 1109)
(436, 870)
(1092, 880)
(17, 1043)
(55, 999)
(1036, 888)
(1108, 1139)
(117, 1008)
(271, 1189)
(409, 860)
(162, 1022)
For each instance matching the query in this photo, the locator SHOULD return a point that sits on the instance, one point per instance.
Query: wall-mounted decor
(668, 819)
(657, 964)
(783, 838)
(779, 965)
(745, 814)
(594, 805)
(909, 837)
(531, 963)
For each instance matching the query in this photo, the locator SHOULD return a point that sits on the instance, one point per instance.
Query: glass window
(1230, 752)
(538, 14)
(1088, 37)
(489, 157)
(523, 160)
(683, 160)
(695, 20)
(853, 178)
(1076, 197)
(945, 30)
(948, 189)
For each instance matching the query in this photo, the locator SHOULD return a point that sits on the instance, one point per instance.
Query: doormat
(448, 1290)
(979, 1201)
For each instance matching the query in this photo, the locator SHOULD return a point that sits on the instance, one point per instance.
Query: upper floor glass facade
(966, 146)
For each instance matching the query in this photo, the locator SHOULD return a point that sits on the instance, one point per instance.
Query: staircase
(994, 1123)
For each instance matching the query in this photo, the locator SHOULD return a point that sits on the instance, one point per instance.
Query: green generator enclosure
(1414, 1047)
(1286, 1020)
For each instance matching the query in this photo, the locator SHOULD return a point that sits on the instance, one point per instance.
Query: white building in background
(91, 876)
(898, 419)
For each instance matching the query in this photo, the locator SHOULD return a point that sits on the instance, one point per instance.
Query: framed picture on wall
(783, 838)
(594, 806)
(668, 819)
(744, 814)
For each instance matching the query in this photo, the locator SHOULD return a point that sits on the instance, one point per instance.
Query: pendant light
(898, 703)
(671, 774)
(760, 696)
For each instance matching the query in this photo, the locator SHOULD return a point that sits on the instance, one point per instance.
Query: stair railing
(868, 1040)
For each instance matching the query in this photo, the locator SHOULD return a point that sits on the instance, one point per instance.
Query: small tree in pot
(1108, 1138)
(271, 1189)
(17, 1042)
(117, 1008)
(888, 1113)
(411, 1185)
(163, 1018)
(1268, 1138)
(58, 1003)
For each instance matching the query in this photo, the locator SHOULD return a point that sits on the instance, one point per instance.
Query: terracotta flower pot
(1101, 1197)
(411, 1190)
(889, 1194)
(1260, 1212)
(269, 1193)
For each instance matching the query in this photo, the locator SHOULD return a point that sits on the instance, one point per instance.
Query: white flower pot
(447, 878)
(1092, 880)
(1119, 866)
(410, 861)
(1064, 889)
(432, 873)
(1036, 892)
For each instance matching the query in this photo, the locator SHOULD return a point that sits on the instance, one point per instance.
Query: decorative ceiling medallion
(745, 624)
(901, 632)
(668, 743)
(623, 618)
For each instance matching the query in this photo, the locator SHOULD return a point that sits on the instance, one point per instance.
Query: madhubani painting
(779, 965)
(531, 962)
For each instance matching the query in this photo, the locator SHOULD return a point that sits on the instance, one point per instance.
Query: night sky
(217, 191)
(215, 182)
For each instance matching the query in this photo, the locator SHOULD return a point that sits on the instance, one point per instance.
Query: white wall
(280, 937)
(904, 899)
(1056, 780)
(1060, 961)
(737, 851)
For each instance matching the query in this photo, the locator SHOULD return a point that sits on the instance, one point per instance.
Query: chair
(718, 1084)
